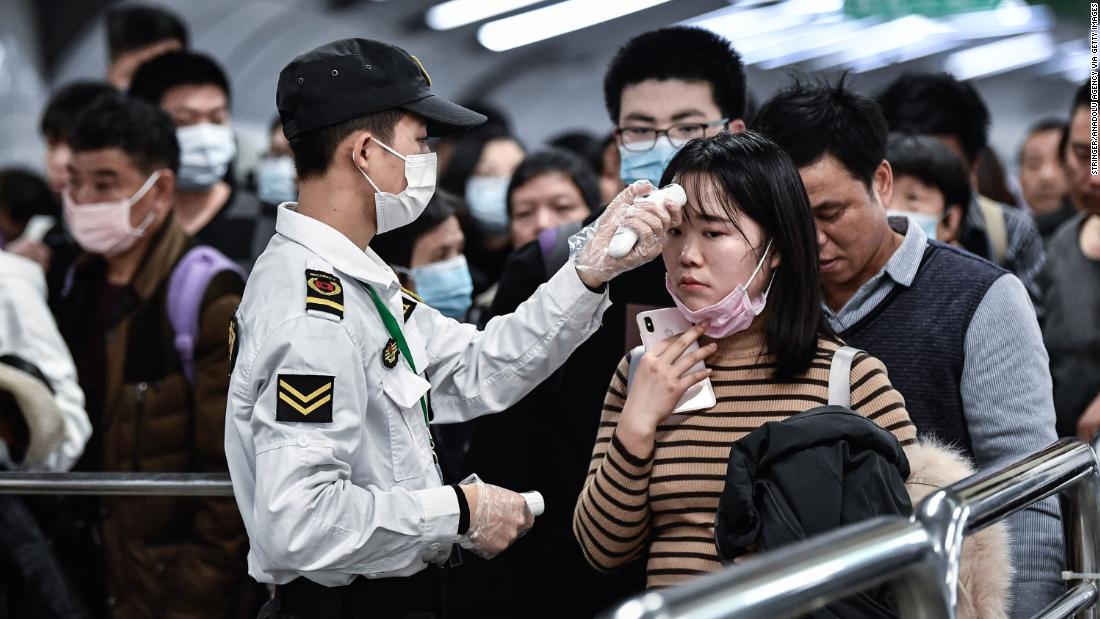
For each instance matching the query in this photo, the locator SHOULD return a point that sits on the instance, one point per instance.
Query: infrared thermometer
(625, 238)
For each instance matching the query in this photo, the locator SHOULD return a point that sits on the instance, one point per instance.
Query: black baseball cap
(350, 78)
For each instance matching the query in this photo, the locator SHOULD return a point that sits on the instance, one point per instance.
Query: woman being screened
(656, 477)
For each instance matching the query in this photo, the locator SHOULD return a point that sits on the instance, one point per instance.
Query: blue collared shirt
(900, 270)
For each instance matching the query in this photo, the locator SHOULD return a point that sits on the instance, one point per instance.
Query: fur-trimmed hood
(985, 572)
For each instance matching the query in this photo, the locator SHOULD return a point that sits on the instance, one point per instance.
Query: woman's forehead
(705, 201)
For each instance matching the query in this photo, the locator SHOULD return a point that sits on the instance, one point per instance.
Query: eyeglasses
(641, 139)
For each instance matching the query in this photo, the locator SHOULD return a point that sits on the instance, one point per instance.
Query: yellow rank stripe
(300, 408)
(328, 302)
(298, 394)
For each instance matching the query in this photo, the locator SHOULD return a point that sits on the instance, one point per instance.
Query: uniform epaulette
(324, 293)
(409, 301)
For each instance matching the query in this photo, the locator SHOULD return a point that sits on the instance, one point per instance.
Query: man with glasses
(667, 87)
(662, 89)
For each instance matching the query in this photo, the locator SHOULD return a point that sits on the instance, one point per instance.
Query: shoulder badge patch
(234, 342)
(324, 293)
(306, 398)
(409, 301)
(390, 354)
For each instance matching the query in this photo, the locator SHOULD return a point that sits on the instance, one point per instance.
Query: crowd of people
(858, 277)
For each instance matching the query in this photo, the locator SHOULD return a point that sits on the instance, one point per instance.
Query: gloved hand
(498, 517)
(651, 221)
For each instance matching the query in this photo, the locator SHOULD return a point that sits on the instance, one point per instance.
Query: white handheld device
(659, 325)
(534, 502)
(625, 238)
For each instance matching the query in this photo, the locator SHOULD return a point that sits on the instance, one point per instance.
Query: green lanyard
(395, 333)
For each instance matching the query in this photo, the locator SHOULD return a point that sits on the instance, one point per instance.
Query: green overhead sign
(935, 8)
(899, 8)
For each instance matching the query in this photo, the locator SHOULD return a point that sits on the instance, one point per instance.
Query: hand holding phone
(657, 327)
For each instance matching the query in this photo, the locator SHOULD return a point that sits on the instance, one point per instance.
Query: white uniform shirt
(354, 488)
(28, 331)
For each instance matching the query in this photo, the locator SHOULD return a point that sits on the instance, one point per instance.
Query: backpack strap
(632, 367)
(995, 227)
(840, 376)
(186, 288)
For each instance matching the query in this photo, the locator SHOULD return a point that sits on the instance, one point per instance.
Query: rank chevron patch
(305, 398)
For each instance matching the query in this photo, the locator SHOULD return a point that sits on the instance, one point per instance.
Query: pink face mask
(732, 314)
(104, 228)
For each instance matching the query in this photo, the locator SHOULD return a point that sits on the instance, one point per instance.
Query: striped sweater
(663, 506)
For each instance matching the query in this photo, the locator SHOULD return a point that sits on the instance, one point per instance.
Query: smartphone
(658, 325)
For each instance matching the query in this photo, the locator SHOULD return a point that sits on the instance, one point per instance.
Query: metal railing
(918, 556)
(118, 484)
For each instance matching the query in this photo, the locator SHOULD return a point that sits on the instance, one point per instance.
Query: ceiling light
(554, 20)
(458, 13)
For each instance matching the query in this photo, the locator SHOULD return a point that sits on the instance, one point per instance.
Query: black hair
(756, 179)
(1044, 125)
(314, 150)
(24, 194)
(927, 159)
(276, 123)
(810, 121)
(583, 144)
(937, 104)
(141, 130)
(66, 104)
(133, 27)
(1081, 99)
(396, 246)
(155, 77)
(466, 153)
(551, 160)
(678, 53)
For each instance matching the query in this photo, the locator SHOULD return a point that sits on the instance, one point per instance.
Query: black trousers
(419, 596)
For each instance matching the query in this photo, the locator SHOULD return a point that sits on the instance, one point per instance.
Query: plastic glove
(651, 222)
(497, 521)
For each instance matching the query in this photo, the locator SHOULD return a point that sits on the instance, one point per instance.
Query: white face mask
(104, 228)
(393, 211)
(205, 152)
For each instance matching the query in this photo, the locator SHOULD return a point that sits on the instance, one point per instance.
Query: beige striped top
(663, 507)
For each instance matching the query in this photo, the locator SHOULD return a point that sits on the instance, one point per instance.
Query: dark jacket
(812, 473)
(32, 581)
(164, 556)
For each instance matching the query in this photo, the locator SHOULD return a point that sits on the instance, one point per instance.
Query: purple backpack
(186, 288)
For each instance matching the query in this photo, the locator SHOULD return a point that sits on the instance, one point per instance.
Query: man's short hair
(65, 106)
(810, 121)
(24, 194)
(937, 104)
(1047, 124)
(141, 130)
(678, 53)
(314, 150)
(131, 27)
(155, 77)
(928, 160)
(1081, 99)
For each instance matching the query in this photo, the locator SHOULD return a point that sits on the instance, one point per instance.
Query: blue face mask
(648, 165)
(446, 286)
(487, 197)
(276, 180)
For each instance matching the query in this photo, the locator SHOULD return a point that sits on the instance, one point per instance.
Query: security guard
(332, 363)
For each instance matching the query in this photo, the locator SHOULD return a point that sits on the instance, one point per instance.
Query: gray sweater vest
(919, 333)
